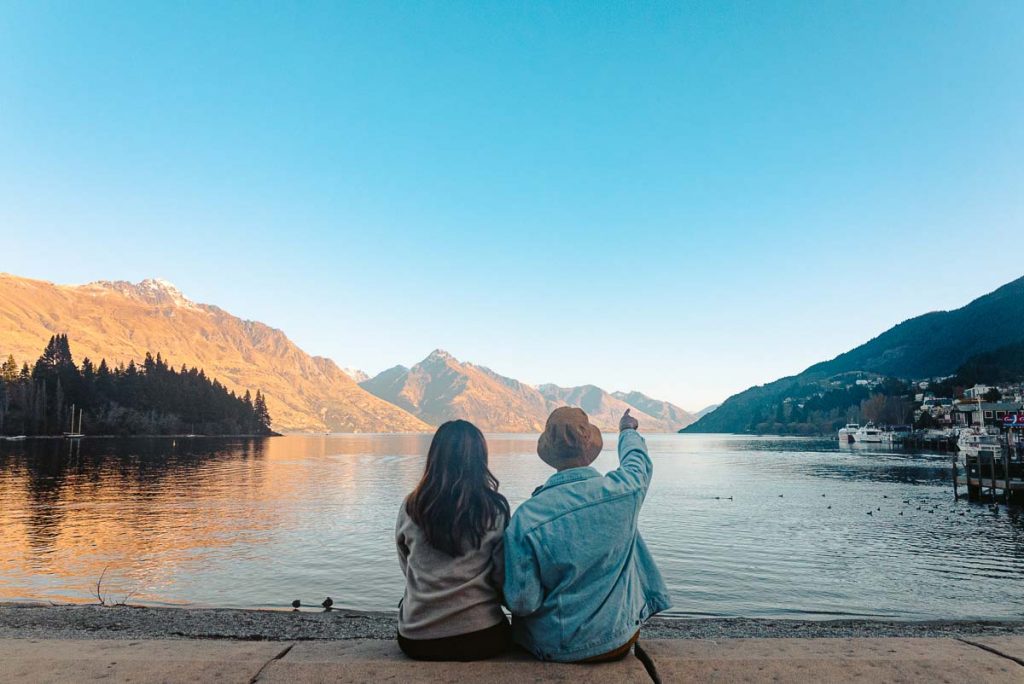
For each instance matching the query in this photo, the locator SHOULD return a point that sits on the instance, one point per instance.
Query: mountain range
(440, 388)
(122, 321)
(932, 345)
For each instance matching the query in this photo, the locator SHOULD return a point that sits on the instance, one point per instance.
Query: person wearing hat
(579, 579)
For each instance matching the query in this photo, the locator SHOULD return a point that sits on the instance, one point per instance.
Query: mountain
(935, 344)
(121, 321)
(355, 374)
(705, 411)
(441, 388)
(664, 411)
(605, 409)
(1002, 365)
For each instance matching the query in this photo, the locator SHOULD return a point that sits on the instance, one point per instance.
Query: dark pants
(481, 645)
(616, 653)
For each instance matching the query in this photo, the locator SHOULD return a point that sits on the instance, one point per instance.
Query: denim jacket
(579, 579)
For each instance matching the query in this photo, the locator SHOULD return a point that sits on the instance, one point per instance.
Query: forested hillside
(151, 398)
(933, 345)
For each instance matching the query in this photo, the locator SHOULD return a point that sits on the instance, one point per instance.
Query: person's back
(449, 538)
(579, 579)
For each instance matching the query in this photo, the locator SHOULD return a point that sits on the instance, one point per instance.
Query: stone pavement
(978, 659)
(837, 660)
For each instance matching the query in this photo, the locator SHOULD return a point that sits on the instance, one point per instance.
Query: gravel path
(123, 622)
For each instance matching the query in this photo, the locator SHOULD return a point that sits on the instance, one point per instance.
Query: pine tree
(262, 414)
(9, 370)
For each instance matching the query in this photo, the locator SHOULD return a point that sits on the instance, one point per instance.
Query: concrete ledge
(382, 661)
(30, 660)
(1011, 647)
(368, 660)
(828, 660)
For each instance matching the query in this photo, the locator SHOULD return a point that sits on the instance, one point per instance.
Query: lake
(740, 526)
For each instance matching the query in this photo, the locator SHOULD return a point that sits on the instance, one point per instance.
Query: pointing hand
(627, 422)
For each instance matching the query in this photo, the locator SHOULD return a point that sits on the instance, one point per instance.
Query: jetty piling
(996, 474)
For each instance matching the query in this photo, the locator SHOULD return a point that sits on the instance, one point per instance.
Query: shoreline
(30, 438)
(43, 621)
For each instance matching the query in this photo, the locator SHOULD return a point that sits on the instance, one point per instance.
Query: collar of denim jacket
(566, 476)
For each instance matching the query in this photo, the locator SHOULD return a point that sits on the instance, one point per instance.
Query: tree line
(809, 409)
(148, 399)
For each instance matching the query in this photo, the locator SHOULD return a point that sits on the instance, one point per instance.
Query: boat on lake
(75, 433)
(868, 434)
(846, 433)
(974, 442)
(896, 434)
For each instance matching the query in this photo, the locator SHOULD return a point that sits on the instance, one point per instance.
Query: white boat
(75, 434)
(895, 435)
(868, 434)
(977, 440)
(847, 432)
(973, 442)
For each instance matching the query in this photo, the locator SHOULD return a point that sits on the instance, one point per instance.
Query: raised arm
(635, 467)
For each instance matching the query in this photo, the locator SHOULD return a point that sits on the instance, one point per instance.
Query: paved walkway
(981, 659)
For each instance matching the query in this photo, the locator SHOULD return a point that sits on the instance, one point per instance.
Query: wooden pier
(925, 442)
(995, 477)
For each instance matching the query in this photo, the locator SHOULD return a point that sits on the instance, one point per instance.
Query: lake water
(258, 523)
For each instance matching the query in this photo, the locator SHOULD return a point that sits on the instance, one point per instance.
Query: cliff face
(120, 321)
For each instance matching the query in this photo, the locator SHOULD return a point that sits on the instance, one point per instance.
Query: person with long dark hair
(449, 537)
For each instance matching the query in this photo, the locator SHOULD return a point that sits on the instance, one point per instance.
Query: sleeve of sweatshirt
(400, 544)
(523, 591)
(635, 467)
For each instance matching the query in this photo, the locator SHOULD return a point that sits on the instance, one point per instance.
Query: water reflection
(740, 526)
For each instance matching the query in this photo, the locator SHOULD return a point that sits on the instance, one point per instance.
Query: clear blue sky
(683, 198)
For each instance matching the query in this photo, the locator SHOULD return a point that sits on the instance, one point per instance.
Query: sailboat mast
(81, 412)
(72, 427)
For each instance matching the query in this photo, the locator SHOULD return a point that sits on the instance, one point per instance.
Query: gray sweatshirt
(447, 596)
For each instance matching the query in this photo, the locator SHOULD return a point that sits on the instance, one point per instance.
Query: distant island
(147, 399)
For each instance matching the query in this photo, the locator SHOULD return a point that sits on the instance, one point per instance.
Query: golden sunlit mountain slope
(121, 321)
(441, 388)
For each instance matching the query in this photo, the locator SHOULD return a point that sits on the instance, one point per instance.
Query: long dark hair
(457, 501)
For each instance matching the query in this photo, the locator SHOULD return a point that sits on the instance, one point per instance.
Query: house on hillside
(972, 413)
(976, 392)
